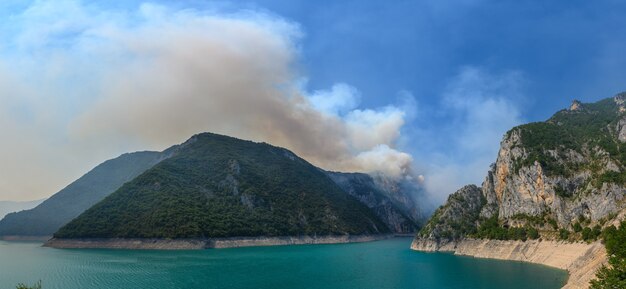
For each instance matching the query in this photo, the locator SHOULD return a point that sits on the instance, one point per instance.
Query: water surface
(388, 264)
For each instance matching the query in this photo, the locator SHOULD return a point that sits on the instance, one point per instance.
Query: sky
(416, 89)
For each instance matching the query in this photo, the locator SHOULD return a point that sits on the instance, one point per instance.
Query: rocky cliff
(562, 180)
(565, 174)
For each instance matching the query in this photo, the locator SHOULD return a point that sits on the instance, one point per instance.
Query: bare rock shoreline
(581, 260)
(198, 244)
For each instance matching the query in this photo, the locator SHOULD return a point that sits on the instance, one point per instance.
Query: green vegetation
(553, 223)
(561, 192)
(24, 286)
(492, 229)
(614, 275)
(457, 218)
(218, 186)
(577, 227)
(564, 234)
(396, 214)
(591, 234)
(581, 131)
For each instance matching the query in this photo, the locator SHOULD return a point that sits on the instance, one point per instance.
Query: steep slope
(386, 197)
(218, 186)
(77, 197)
(565, 177)
(562, 180)
(457, 218)
(12, 207)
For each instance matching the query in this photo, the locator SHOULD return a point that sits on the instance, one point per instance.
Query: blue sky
(448, 77)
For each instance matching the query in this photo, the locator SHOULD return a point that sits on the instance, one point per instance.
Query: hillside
(219, 186)
(565, 178)
(67, 204)
(11, 207)
(559, 180)
(390, 199)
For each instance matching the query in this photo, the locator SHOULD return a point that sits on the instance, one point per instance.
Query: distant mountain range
(11, 207)
(218, 186)
(67, 204)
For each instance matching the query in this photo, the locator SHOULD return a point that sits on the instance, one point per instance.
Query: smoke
(84, 86)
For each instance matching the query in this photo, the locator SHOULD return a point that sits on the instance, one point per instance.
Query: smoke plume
(82, 88)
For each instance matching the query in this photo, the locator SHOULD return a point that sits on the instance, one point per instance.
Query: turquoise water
(379, 265)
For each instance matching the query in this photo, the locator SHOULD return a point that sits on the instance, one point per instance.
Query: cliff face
(531, 191)
(457, 216)
(567, 173)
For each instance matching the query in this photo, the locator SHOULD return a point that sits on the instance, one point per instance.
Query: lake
(388, 264)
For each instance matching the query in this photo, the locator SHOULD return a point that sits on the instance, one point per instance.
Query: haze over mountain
(219, 186)
(11, 206)
(62, 207)
(394, 200)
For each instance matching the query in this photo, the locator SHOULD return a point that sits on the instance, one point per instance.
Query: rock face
(460, 212)
(550, 175)
(388, 198)
(570, 167)
(557, 179)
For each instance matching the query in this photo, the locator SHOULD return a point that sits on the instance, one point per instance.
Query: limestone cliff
(567, 173)
(560, 182)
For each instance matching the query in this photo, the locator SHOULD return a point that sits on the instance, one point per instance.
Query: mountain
(219, 186)
(391, 199)
(11, 207)
(67, 204)
(564, 178)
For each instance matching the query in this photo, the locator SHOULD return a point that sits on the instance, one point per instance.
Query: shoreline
(580, 260)
(200, 244)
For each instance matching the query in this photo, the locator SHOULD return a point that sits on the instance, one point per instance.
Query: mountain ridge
(219, 186)
(71, 201)
(557, 182)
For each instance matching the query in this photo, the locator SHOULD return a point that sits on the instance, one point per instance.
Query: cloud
(479, 107)
(84, 86)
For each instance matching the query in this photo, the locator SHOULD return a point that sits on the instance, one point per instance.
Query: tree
(614, 275)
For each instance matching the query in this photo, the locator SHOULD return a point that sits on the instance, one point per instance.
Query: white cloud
(479, 108)
(341, 98)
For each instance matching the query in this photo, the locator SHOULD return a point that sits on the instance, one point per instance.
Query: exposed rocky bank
(199, 244)
(581, 260)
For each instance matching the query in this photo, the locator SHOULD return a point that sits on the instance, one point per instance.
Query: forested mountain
(219, 186)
